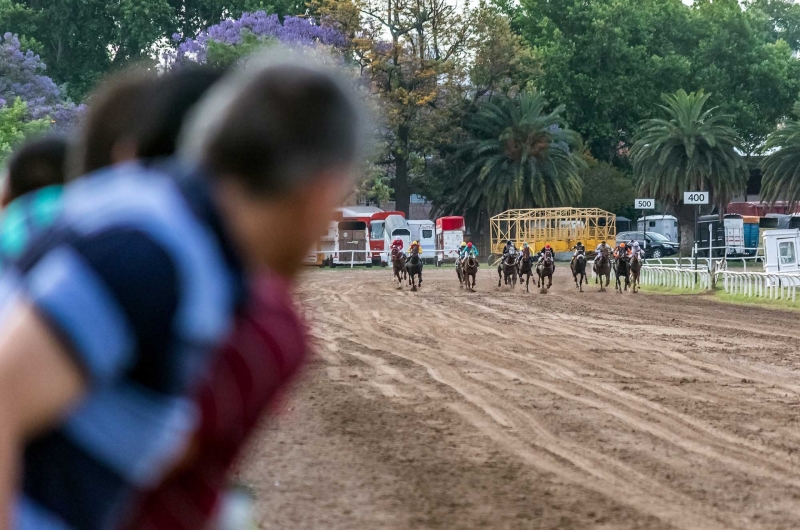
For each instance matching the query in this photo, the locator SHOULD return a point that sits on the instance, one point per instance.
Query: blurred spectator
(32, 193)
(112, 313)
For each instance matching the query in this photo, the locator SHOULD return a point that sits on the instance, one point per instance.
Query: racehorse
(525, 267)
(460, 272)
(399, 266)
(636, 269)
(507, 270)
(602, 267)
(545, 269)
(469, 267)
(622, 269)
(414, 269)
(578, 267)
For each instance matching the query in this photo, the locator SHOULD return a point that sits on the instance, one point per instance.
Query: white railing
(677, 278)
(770, 285)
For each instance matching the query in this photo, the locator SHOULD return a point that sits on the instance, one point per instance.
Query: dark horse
(602, 267)
(414, 269)
(636, 269)
(399, 266)
(622, 269)
(578, 267)
(526, 267)
(507, 270)
(469, 266)
(545, 269)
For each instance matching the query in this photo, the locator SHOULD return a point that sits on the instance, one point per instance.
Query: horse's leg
(499, 275)
(550, 278)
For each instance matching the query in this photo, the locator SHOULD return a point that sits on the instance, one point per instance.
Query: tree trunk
(685, 215)
(402, 193)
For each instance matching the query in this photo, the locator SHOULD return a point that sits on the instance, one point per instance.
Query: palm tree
(692, 150)
(781, 177)
(517, 155)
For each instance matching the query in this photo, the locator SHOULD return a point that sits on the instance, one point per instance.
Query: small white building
(666, 225)
(424, 232)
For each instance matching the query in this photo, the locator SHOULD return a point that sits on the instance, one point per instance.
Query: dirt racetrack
(497, 409)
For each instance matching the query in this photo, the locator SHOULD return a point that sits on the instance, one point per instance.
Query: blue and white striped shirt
(138, 280)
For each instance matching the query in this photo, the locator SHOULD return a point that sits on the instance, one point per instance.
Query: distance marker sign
(695, 197)
(644, 204)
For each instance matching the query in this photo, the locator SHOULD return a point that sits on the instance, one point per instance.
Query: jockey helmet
(469, 245)
(622, 245)
(509, 242)
(464, 244)
(415, 243)
(579, 244)
(547, 246)
(525, 245)
(398, 240)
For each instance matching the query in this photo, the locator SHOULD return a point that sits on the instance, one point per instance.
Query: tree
(21, 76)
(692, 150)
(608, 188)
(15, 127)
(519, 155)
(781, 167)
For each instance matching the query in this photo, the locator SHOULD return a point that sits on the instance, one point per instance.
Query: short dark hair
(173, 95)
(114, 112)
(281, 126)
(36, 165)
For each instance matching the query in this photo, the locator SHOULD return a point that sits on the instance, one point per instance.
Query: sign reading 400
(695, 197)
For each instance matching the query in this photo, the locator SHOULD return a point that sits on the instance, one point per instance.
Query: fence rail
(770, 285)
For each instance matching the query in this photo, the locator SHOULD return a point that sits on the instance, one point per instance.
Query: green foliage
(608, 188)
(15, 128)
(221, 54)
(692, 150)
(518, 155)
(781, 167)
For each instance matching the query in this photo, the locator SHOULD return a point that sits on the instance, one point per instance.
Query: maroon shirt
(267, 346)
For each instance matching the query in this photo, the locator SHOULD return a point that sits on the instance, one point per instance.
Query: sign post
(699, 198)
(644, 205)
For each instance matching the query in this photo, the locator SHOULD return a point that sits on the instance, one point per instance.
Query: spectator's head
(36, 165)
(280, 139)
(115, 111)
(174, 94)
(135, 115)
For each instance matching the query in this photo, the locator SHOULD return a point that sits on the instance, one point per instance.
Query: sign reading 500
(695, 197)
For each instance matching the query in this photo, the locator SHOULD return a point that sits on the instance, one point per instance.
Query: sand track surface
(500, 409)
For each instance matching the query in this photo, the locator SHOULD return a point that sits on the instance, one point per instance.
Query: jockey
(470, 250)
(636, 250)
(524, 248)
(508, 248)
(462, 249)
(578, 249)
(415, 245)
(397, 244)
(544, 252)
(602, 248)
(622, 251)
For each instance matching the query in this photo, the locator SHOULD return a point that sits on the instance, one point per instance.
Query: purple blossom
(293, 31)
(21, 76)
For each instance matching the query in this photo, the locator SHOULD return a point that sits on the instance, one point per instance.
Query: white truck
(425, 232)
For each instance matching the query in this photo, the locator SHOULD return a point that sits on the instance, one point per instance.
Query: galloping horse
(622, 269)
(578, 267)
(507, 270)
(636, 269)
(399, 266)
(525, 267)
(602, 267)
(414, 269)
(545, 269)
(469, 267)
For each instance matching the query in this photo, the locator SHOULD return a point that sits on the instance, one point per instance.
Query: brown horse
(578, 267)
(399, 266)
(469, 271)
(545, 269)
(414, 269)
(507, 270)
(636, 270)
(525, 267)
(602, 267)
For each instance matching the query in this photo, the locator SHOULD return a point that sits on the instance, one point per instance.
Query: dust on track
(499, 409)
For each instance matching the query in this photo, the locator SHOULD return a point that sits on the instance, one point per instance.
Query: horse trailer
(425, 232)
(666, 225)
(449, 235)
(396, 228)
(781, 247)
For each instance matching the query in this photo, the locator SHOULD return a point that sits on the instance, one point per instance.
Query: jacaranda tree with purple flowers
(231, 39)
(21, 76)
